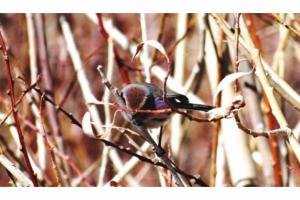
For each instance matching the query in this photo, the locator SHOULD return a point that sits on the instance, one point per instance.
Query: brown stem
(123, 68)
(18, 101)
(215, 137)
(47, 82)
(237, 37)
(275, 151)
(46, 72)
(15, 113)
(68, 90)
(270, 118)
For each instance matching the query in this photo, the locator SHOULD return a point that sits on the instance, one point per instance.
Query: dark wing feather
(181, 101)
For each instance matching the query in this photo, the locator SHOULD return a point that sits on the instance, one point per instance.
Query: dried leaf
(155, 44)
(87, 125)
(138, 49)
(238, 101)
(227, 80)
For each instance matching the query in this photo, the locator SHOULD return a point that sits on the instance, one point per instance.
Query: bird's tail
(192, 106)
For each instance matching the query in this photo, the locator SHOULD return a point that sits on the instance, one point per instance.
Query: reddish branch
(48, 82)
(53, 150)
(272, 124)
(69, 89)
(270, 118)
(122, 66)
(19, 101)
(237, 37)
(15, 113)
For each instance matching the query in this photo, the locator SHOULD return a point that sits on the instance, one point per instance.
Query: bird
(147, 96)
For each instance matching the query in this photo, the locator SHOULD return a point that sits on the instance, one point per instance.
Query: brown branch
(47, 80)
(46, 73)
(19, 101)
(68, 90)
(237, 37)
(50, 151)
(57, 107)
(53, 150)
(15, 112)
(285, 132)
(280, 21)
(269, 116)
(122, 66)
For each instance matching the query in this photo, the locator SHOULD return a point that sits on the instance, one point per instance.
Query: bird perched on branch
(149, 97)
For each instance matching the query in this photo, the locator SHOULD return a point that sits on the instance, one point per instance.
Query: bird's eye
(122, 97)
(177, 100)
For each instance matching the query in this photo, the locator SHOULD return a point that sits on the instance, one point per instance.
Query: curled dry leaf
(227, 80)
(89, 129)
(155, 44)
(238, 101)
(87, 125)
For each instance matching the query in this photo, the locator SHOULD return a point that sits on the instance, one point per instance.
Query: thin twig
(15, 112)
(46, 75)
(106, 150)
(42, 132)
(276, 132)
(283, 23)
(47, 80)
(19, 175)
(237, 37)
(18, 102)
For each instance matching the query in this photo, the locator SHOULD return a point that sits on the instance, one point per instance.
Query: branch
(252, 53)
(19, 175)
(15, 112)
(285, 132)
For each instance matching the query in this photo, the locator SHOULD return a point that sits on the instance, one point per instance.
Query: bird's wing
(174, 97)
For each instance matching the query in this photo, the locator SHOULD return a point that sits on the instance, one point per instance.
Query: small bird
(146, 96)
